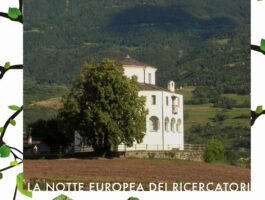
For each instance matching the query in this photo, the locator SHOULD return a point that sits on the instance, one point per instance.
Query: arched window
(153, 123)
(172, 124)
(175, 104)
(179, 125)
(167, 124)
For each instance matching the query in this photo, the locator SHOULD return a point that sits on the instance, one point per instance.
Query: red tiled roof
(144, 86)
(130, 61)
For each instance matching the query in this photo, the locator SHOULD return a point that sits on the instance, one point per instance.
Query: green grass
(186, 92)
(164, 160)
(202, 113)
(239, 98)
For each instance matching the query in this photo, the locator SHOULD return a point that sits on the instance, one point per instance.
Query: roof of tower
(132, 62)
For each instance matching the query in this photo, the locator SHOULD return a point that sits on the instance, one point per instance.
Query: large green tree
(104, 106)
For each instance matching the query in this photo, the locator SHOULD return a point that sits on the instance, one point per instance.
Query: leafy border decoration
(6, 67)
(15, 15)
(259, 110)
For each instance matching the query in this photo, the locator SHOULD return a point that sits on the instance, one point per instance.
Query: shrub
(219, 117)
(214, 151)
(151, 155)
(231, 157)
(170, 154)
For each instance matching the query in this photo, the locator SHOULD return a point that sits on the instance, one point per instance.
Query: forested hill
(194, 42)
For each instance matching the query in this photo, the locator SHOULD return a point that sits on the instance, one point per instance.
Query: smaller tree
(214, 151)
(219, 117)
(50, 132)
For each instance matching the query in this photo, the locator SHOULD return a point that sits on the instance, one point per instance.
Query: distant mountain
(194, 42)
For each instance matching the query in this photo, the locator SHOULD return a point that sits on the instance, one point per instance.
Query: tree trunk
(107, 146)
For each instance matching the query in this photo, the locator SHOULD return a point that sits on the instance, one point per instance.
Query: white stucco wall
(162, 139)
(175, 138)
(151, 71)
(142, 73)
(134, 71)
(151, 137)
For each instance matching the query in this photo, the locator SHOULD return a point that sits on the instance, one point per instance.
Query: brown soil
(134, 170)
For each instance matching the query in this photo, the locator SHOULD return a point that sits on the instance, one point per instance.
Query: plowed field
(133, 170)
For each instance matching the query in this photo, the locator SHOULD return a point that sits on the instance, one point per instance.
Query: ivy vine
(259, 110)
(6, 151)
(16, 15)
(6, 67)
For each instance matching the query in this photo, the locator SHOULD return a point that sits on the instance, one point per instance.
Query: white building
(165, 130)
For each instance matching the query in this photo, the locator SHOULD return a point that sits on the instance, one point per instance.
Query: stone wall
(182, 155)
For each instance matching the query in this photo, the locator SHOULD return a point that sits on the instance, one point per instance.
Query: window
(178, 126)
(177, 102)
(149, 78)
(174, 105)
(167, 124)
(167, 101)
(153, 123)
(172, 124)
(153, 99)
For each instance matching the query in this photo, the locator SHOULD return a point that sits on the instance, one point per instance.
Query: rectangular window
(153, 99)
(150, 78)
(174, 107)
(167, 101)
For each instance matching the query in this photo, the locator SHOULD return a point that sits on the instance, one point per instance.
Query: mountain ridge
(180, 38)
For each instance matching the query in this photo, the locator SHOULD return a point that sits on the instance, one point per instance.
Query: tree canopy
(104, 107)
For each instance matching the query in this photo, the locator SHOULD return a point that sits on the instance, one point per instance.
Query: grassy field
(203, 113)
(194, 114)
(49, 103)
(239, 98)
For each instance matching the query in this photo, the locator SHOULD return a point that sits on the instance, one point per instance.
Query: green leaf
(14, 13)
(20, 178)
(7, 65)
(259, 110)
(133, 198)
(262, 45)
(13, 122)
(1, 129)
(62, 197)
(4, 151)
(13, 163)
(14, 107)
(1, 176)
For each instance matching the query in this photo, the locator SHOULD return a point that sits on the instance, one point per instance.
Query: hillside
(198, 43)
(195, 42)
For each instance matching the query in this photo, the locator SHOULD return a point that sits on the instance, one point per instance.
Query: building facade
(164, 121)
